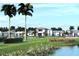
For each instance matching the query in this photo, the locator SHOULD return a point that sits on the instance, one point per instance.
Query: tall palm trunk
(25, 29)
(9, 28)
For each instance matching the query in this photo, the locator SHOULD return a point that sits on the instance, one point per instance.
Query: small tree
(12, 28)
(53, 28)
(71, 27)
(59, 28)
(78, 28)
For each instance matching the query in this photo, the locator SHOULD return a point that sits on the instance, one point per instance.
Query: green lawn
(33, 46)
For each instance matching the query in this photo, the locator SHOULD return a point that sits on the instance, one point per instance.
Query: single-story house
(20, 34)
(57, 33)
(40, 31)
(6, 34)
(73, 33)
(12, 33)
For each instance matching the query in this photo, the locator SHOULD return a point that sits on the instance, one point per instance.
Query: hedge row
(1, 39)
(13, 40)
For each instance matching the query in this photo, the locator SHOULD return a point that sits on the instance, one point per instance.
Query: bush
(1, 39)
(13, 40)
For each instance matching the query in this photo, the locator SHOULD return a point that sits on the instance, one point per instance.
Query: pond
(66, 51)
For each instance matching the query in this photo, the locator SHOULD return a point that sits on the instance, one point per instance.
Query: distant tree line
(59, 28)
(16, 29)
(19, 28)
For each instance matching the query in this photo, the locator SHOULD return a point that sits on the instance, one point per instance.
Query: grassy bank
(35, 46)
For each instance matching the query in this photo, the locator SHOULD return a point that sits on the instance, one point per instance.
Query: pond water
(66, 51)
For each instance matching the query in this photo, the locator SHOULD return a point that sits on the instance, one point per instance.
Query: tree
(12, 28)
(25, 9)
(34, 31)
(3, 29)
(53, 28)
(66, 33)
(20, 29)
(9, 10)
(78, 28)
(59, 28)
(71, 27)
(46, 34)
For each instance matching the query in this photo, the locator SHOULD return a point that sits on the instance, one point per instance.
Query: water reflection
(66, 51)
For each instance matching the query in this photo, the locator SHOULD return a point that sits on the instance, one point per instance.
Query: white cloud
(59, 10)
(37, 5)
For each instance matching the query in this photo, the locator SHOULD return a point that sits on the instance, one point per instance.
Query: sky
(46, 15)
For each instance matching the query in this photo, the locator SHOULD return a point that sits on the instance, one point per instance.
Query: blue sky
(47, 15)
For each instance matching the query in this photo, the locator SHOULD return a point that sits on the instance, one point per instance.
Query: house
(57, 33)
(49, 32)
(75, 33)
(13, 34)
(41, 31)
(6, 34)
(20, 34)
(30, 33)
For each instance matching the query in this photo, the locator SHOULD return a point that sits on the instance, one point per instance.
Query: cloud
(57, 9)
(59, 5)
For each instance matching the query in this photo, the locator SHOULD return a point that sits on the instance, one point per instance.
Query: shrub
(1, 39)
(13, 40)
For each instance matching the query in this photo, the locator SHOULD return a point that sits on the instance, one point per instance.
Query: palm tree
(25, 9)
(9, 10)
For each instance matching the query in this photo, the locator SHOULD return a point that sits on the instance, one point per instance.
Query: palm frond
(9, 10)
(28, 13)
(30, 6)
(14, 10)
(3, 7)
(20, 10)
(21, 4)
(30, 10)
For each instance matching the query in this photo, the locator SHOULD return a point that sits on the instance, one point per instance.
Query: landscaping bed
(66, 40)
